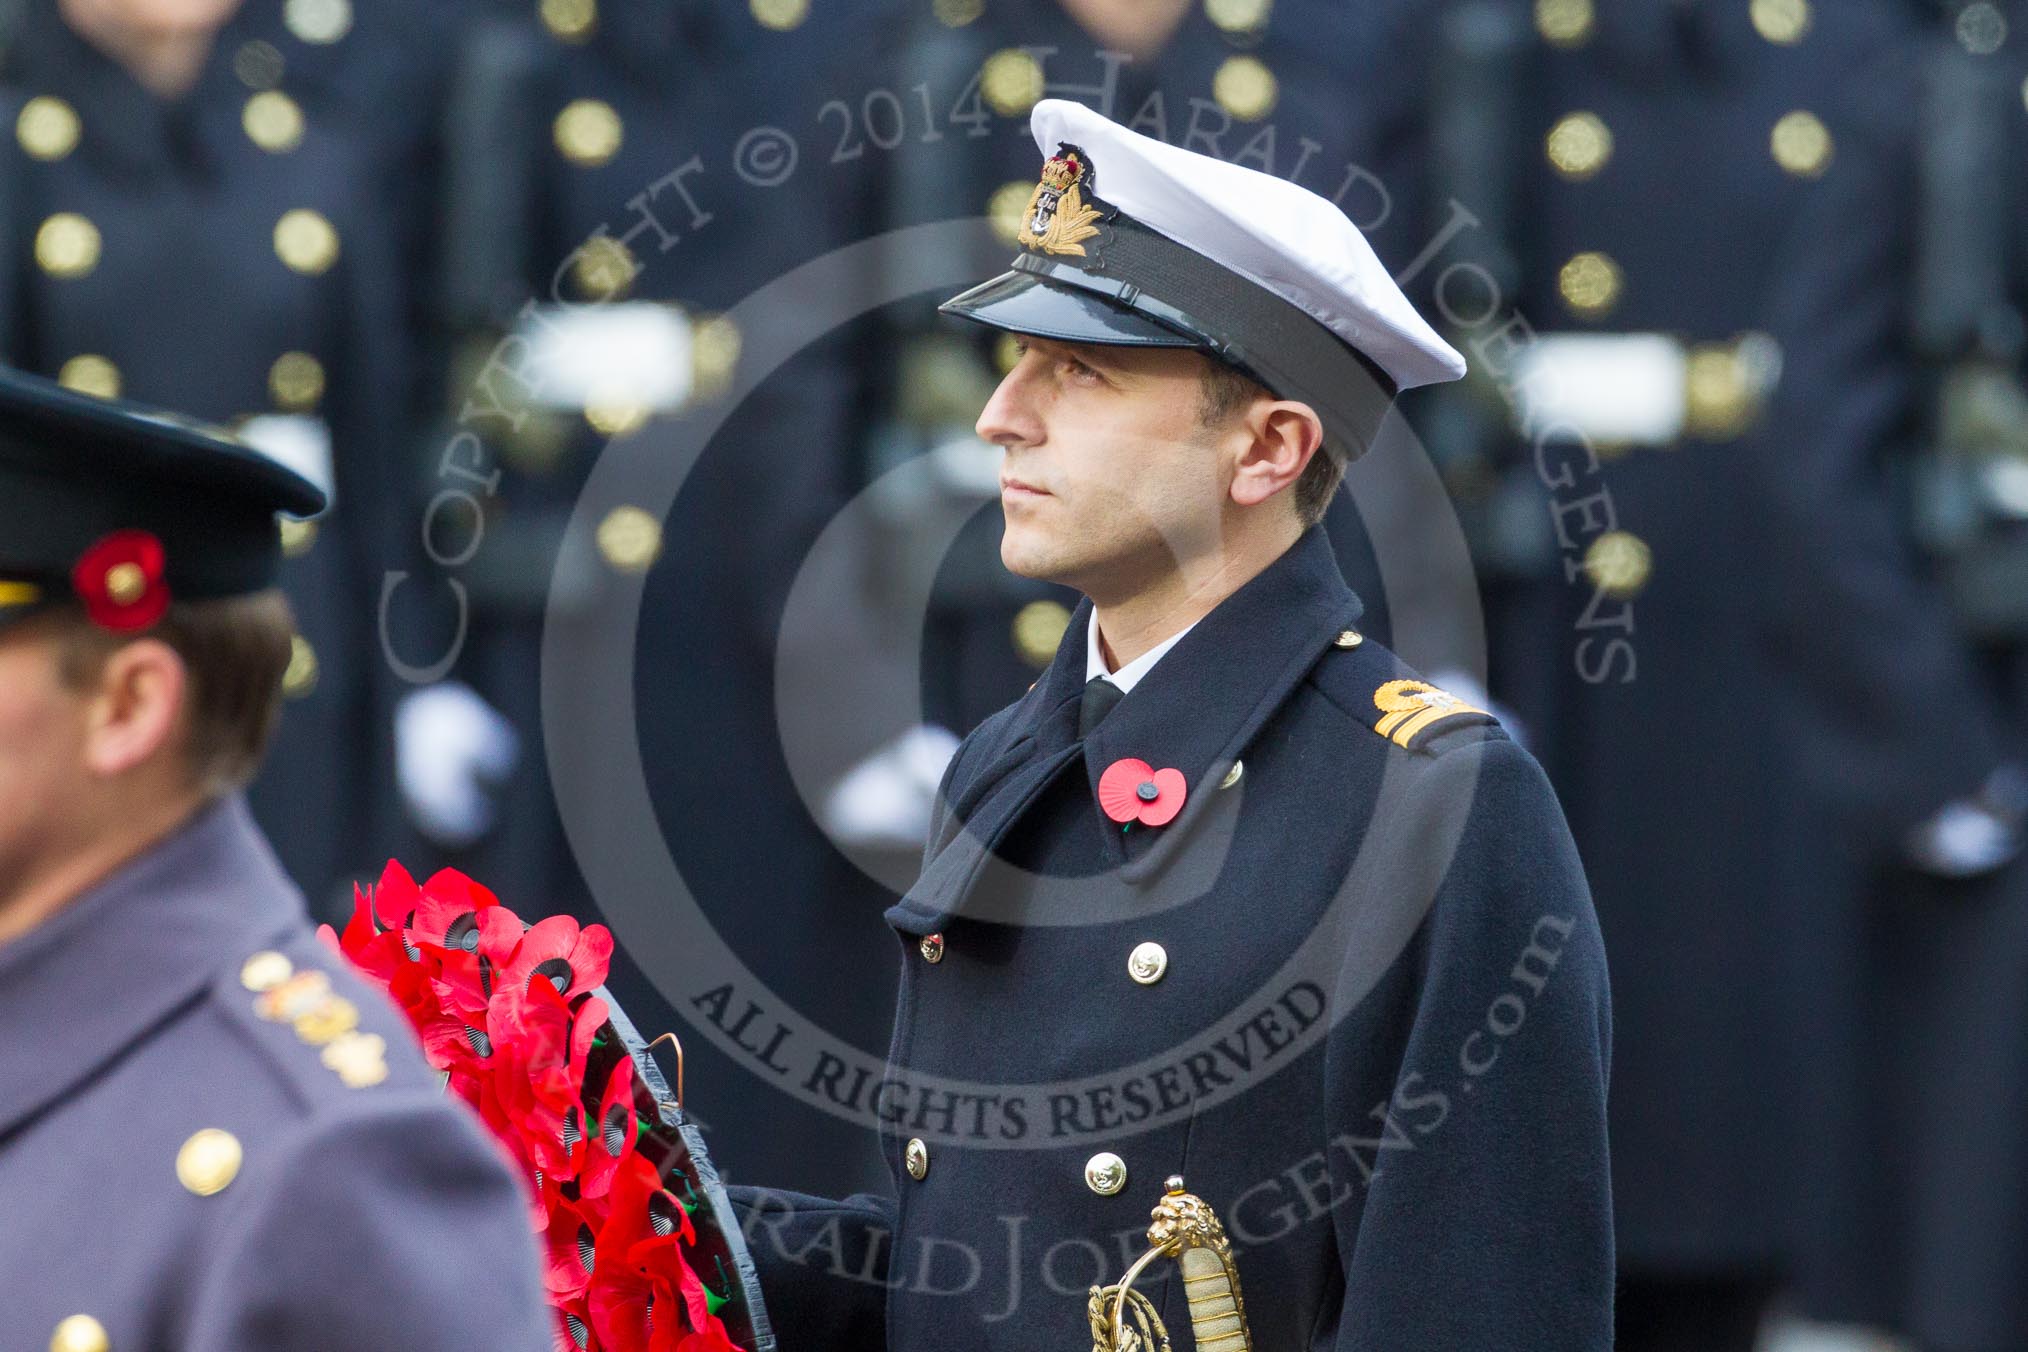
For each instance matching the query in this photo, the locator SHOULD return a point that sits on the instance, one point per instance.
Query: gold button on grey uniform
(932, 947)
(1105, 1173)
(80, 1333)
(209, 1161)
(1233, 775)
(916, 1157)
(1349, 638)
(1148, 962)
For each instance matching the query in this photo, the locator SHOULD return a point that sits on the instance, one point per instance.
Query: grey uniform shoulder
(1373, 686)
(364, 1209)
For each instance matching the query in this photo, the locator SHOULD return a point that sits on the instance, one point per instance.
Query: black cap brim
(1021, 302)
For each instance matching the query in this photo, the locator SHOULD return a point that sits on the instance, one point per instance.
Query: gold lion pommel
(1185, 1228)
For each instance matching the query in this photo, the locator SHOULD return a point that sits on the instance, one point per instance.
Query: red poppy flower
(572, 1230)
(573, 1327)
(119, 579)
(539, 1046)
(612, 1134)
(574, 960)
(446, 911)
(644, 1293)
(1132, 790)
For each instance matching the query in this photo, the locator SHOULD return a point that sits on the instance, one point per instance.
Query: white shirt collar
(1128, 676)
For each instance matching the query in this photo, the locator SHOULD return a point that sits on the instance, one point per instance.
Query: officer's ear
(134, 711)
(1284, 434)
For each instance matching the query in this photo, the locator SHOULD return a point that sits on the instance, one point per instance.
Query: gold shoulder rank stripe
(1410, 708)
(19, 594)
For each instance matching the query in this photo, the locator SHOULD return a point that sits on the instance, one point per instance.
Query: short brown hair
(1227, 390)
(236, 651)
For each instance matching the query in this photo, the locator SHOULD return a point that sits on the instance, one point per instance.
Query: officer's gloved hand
(451, 750)
(1974, 836)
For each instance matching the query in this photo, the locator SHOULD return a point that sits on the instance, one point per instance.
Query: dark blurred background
(1742, 464)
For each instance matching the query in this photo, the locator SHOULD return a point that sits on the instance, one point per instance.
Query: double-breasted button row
(1104, 1173)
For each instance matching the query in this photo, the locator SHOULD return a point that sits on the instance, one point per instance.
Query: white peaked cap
(1278, 235)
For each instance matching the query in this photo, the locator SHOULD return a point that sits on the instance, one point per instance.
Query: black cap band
(1141, 272)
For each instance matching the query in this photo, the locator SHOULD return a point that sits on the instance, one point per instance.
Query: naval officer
(212, 1137)
(1231, 894)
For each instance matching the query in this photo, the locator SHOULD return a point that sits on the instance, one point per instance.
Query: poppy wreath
(515, 1018)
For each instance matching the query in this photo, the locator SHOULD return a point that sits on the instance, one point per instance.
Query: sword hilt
(1186, 1229)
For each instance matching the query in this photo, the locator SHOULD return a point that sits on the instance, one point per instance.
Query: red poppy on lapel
(1132, 790)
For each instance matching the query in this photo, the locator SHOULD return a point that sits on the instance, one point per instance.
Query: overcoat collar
(1195, 712)
(79, 990)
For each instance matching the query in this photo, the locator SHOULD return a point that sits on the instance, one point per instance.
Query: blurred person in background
(1906, 612)
(1618, 197)
(595, 238)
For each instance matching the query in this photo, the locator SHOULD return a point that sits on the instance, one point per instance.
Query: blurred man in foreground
(212, 1138)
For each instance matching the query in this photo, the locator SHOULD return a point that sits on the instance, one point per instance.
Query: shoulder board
(1379, 689)
(1413, 714)
(319, 1024)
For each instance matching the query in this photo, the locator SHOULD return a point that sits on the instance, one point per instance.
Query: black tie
(1100, 695)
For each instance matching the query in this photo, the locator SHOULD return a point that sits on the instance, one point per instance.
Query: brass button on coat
(80, 1333)
(916, 1157)
(1349, 638)
(1105, 1173)
(932, 947)
(1234, 775)
(209, 1161)
(1147, 963)
(306, 241)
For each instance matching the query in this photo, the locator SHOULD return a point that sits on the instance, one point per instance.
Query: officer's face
(42, 735)
(1110, 475)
